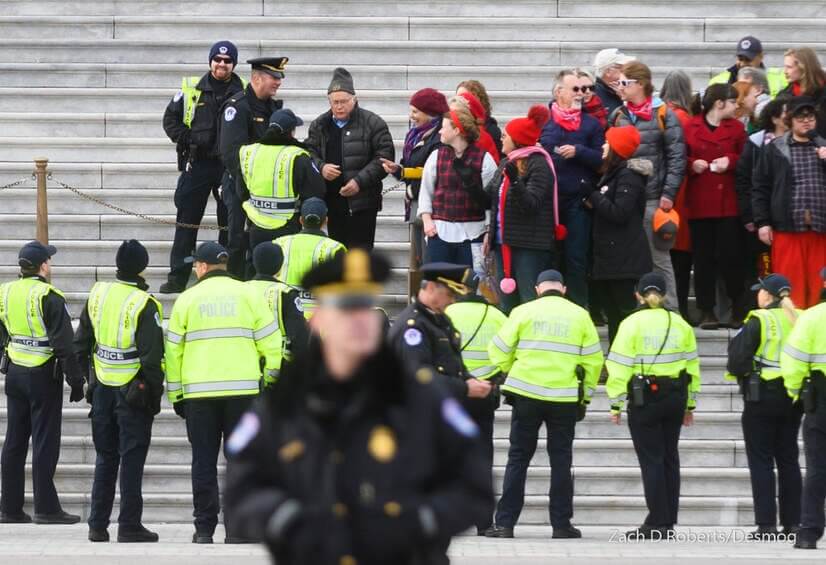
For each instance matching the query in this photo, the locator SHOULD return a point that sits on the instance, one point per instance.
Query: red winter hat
(475, 106)
(430, 101)
(623, 140)
(525, 131)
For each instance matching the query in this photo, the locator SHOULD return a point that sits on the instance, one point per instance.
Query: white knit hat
(608, 58)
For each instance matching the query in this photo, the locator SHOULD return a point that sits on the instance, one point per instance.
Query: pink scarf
(644, 111)
(508, 284)
(567, 118)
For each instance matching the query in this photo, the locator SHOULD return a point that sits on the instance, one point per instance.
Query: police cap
(274, 66)
(313, 211)
(210, 252)
(652, 282)
(267, 258)
(350, 280)
(455, 277)
(132, 257)
(285, 120)
(34, 254)
(550, 275)
(775, 284)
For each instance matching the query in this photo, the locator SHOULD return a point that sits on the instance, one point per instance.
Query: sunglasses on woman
(628, 81)
(584, 88)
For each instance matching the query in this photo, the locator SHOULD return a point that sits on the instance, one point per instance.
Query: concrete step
(86, 175)
(738, 9)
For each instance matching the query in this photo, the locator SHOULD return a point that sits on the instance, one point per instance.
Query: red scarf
(567, 118)
(796, 89)
(507, 284)
(644, 111)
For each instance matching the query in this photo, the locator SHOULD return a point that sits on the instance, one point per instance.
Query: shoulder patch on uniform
(178, 96)
(229, 114)
(247, 428)
(455, 415)
(412, 337)
(299, 305)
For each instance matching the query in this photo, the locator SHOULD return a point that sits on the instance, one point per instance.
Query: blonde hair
(653, 299)
(462, 109)
(813, 77)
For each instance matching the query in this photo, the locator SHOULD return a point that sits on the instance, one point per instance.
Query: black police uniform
(329, 473)
(199, 160)
(244, 120)
(34, 408)
(770, 429)
(122, 431)
(295, 325)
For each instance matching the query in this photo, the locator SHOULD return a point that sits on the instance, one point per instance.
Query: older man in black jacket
(348, 143)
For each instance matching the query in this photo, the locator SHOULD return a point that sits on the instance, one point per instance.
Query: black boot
(21, 518)
(498, 532)
(136, 534)
(61, 517)
(98, 535)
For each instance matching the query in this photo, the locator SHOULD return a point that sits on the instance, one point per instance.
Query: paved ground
(67, 545)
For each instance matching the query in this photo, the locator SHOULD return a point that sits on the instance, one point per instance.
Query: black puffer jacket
(620, 246)
(366, 138)
(529, 209)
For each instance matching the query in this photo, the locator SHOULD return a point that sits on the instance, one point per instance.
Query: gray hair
(677, 89)
(755, 76)
(582, 73)
(560, 78)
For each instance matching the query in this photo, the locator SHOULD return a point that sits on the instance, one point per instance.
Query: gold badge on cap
(382, 444)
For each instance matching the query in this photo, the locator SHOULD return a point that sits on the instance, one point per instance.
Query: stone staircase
(86, 82)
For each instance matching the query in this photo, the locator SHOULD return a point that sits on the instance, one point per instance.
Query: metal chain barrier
(17, 182)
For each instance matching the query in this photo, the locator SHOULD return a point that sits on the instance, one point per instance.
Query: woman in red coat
(715, 140)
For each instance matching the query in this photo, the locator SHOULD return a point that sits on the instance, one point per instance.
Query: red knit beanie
(430, 101)
(526, 131)
(476, 107)
(623, 140)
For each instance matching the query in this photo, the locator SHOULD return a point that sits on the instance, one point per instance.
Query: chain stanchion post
(40, 173)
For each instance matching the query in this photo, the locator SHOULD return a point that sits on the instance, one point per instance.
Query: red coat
(712, 195)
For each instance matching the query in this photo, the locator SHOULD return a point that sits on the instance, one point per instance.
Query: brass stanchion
(40, 174)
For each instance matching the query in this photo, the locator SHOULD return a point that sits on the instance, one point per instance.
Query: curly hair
(479, 91)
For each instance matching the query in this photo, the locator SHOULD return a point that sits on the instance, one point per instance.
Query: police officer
(478, 321)
(653, 360)
(550, 350)
(218, 334)
(307, 249)
(803, 365)
(771, 421)
(36, 331)
(276, 173)
(120, 333)
(191, 121)
(245, 119)
(282, 299)
(325, 469)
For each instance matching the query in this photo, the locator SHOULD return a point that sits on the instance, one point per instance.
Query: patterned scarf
(415, 135)
(644, 111)
(567, 118)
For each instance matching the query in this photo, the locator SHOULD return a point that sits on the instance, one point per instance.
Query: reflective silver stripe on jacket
(220, 386)
(497, 341)
(266, 331)
(621, 359)
(482, 371)
(660, 359)
(219, 333)
(592, 349)
(796, 354)
(173, 386)
(172, 337)
(549, 346)
(32, 342)
(766, 362)
(475, 355)
(817, 358)
(546, 392)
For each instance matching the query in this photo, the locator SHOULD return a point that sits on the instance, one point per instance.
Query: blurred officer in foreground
(121, 336)
(325, 468)
(771, 420)
(282, 299)
(36, 332)
(245, 119)
(218, 335)
(654, 361)
(803, 365)
(191, 122)
(423, 335)
(550, 350)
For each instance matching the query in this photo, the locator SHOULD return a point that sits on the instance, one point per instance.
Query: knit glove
(512, 172)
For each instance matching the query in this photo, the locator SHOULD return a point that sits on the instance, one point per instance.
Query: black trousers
(208, 422)
(717, 252)
(121, 435)
(34, 405)
(258, 235)
(560, 420)
(616, 298)
(483, 412)
(770, 429)
(237, 242)
(682, 261)
(191, 196)
(655, 432)
(353, 230)
(814, 488)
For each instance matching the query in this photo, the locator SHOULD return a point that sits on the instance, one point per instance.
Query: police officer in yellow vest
(121, 336)
(282, 299)
(750, 54)
(803, 365)
(771, 421)
(550, 350)
(219, 337)
(654, 362)
(276, 174)
(191, 121)
(307, 249)
(478, 322)
(36, 332)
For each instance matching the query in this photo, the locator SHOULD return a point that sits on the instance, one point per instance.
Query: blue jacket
(588, 140)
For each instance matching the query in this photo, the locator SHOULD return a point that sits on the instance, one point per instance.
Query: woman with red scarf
(525, 224)
(806, 77)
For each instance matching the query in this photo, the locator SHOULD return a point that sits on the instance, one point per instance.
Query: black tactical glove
(77, 393)
(582, 408)
(179, 409)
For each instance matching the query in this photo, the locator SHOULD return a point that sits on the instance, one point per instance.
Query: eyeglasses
(224, 60)
(583, 89)
(807, 117)
(340, 102)
(627, 81)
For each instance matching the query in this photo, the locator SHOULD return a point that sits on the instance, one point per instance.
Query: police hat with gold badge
(274, 66)
(350, 280)
(453, 276)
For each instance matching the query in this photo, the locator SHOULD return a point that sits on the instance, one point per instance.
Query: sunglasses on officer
(224, 60)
